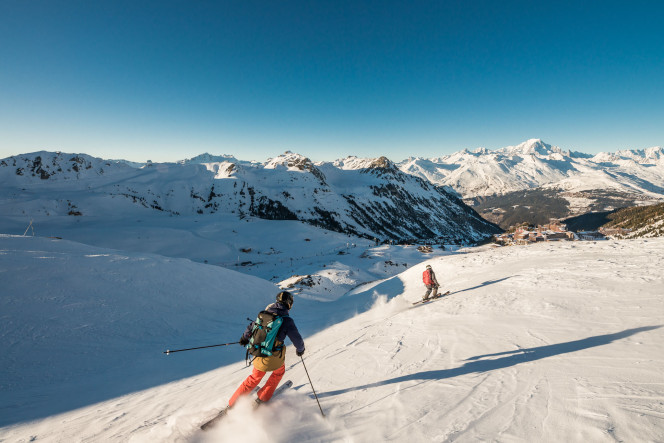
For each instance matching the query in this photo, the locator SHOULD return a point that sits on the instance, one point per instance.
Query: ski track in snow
(550, 342)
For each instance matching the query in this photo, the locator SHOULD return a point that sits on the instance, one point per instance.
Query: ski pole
(200, 347)
(312, 385)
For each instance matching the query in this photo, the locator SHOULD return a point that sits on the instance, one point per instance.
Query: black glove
(299, 353)
(244, 341)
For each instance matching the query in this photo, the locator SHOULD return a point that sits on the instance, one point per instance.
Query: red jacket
(428, 277)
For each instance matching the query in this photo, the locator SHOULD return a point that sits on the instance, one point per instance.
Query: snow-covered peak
(209, 158)
(47, 165)
(352, 162)
(534, 146)
(655, 151)
(294, 162)
(382, 163)
(648, 155)
(136, 165)
(606, 157)
(291, 161)
(653, 155)
(534, 163)
(222, 169)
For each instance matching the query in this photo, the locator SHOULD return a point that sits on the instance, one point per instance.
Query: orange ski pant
(264, 393)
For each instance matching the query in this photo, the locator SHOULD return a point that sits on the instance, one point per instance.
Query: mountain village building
(555, 230)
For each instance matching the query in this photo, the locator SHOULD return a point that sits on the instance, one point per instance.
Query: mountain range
(534, 164)
(369, 198)
(420, 198)
(533, 181)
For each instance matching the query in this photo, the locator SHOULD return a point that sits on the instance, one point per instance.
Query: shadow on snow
(481, 285)
(482, 363)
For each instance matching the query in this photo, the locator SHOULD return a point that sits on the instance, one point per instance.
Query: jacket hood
(277, 308)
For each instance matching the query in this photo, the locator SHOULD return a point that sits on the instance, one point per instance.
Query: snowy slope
(82, 324)
(74, 312)
(555, 342)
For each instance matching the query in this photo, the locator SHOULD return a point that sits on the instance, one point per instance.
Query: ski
(215, 419)
(285, 385)
(437, 296)
(282, 387)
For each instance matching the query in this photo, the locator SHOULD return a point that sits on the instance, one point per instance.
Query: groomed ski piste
(549, 342)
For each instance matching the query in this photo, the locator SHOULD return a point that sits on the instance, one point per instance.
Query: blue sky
(167, 80)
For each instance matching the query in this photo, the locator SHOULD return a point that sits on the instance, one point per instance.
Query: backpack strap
(248, 360)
